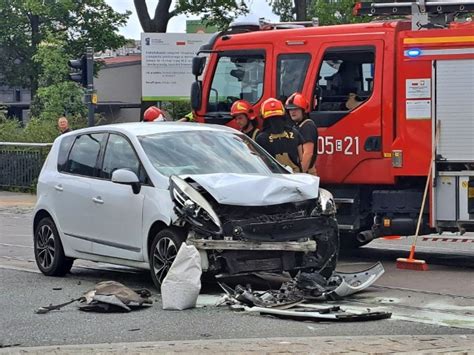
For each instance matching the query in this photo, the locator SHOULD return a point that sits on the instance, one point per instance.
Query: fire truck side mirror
(198, 65)
(196, 95)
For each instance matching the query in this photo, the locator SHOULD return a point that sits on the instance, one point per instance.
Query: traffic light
(79, 75)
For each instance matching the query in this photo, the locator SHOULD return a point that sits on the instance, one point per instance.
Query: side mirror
(198, 65)
(196, 95)
(127, 177)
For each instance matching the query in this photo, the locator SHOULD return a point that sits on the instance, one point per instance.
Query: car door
(116, 210)
(72, 189)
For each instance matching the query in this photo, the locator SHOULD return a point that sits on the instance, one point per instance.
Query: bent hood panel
(259, 190)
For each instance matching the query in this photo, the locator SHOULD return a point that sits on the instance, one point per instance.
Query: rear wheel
(48, 249)
(164, 248)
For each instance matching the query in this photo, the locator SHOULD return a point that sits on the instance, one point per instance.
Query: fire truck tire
(349, 241)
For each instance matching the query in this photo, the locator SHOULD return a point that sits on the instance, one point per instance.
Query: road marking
(17, 268)
(16, 245)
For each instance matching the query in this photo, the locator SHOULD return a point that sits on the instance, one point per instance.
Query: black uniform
(253, 133)
(283, 146)
(309, 133)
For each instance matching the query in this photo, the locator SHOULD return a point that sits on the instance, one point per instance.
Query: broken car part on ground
(106, 297)
(293, 299)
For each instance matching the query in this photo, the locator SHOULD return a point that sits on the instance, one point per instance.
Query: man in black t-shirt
(282, 142)
(298, 108)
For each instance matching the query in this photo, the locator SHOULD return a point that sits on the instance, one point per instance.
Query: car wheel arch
(155, 228)
(39, 215)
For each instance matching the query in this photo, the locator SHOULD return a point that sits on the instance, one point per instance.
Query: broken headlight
(191, 205)
(326, 205)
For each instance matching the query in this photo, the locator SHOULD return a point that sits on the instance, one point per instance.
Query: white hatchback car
(130, 194)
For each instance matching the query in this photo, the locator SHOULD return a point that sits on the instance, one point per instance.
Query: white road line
(16, 245)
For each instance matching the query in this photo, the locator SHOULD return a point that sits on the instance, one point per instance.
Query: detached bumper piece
(332, 314)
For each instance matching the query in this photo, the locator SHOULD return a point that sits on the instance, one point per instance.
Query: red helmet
(296, 101)
(272, 107)
(153, 113)
(242, 107)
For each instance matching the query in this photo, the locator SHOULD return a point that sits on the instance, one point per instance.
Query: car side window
(119, 154)
(84, 154)
(291, 73)
(345, 78)
(64, 148)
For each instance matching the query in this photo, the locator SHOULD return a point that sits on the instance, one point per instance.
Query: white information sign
(418, 89)
(418, 109)
(167, 64)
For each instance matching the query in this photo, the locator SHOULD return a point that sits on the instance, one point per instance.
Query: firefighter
(153, 114)
(283, 142)
(298, 109)
(245, 118)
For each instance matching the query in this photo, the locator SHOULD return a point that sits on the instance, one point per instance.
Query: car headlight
(327, 206)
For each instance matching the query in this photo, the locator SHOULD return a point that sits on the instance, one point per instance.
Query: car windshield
(207, 152)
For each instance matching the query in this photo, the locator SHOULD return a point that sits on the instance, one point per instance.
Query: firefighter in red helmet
(245, 118)
(277, 138)
(298, 109)
(153, 114)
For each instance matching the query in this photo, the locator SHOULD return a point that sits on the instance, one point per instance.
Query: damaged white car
(130, 194)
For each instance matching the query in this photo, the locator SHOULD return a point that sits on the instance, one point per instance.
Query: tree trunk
(160, 21)
(301, 9)
(35, 41)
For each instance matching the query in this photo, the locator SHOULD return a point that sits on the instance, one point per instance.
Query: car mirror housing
(127, 177)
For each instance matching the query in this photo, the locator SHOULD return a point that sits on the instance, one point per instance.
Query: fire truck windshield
(236, 77)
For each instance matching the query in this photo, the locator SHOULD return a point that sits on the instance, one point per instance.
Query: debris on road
(182, 284)
(107, 296)
(291, 300)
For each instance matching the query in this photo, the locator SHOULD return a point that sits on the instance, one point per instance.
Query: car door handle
(58, 187)
(98, 199)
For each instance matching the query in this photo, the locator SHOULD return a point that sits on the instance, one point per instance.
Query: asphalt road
(438, 301)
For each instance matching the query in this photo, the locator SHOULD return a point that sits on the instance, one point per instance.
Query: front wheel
(48, 249)
(163, 251)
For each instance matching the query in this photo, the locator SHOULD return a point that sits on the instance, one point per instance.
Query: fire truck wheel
(349, 241)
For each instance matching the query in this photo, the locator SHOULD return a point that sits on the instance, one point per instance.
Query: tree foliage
(329, 12)
(335, 12)
(216, 12)
(27, 23)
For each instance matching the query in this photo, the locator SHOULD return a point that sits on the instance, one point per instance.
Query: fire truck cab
(384, 95)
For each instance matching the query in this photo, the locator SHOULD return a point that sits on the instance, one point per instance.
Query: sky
(258, 8)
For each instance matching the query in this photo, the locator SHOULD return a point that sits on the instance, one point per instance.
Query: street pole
(90, 85)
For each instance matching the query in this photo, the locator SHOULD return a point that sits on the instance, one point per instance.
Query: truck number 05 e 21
(346, 145)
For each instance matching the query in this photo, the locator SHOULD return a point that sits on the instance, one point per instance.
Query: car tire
(164, 247)
(328, 250)
(48, 249)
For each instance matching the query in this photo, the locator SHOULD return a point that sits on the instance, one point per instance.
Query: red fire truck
(408, 82)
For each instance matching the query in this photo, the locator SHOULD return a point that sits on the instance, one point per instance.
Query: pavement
(16, 200)
(432, 311)
(455, 344)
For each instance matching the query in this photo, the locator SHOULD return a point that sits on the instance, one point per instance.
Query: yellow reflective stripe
(456, 39)
(274, 113)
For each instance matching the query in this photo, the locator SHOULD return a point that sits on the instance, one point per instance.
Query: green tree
(335, 12)
(27, 23)
(216, 12)
(288, 9)
(329, 12)
(56, 95)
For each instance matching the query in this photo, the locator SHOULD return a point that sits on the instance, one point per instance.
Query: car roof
(148, 128)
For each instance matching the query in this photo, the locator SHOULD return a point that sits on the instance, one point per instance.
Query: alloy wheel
(46, 247)
(163, 256)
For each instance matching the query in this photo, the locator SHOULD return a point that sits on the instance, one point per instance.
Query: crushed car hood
(258, 190)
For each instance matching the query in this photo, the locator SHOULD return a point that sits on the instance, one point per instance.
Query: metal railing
(21, 163)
